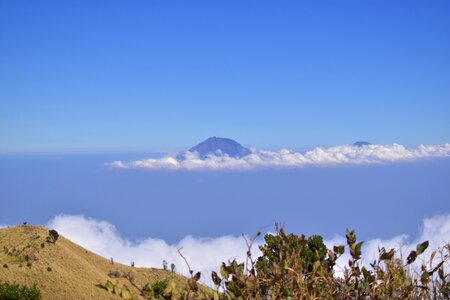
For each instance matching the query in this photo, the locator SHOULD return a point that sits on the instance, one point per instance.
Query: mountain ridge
(360, 144)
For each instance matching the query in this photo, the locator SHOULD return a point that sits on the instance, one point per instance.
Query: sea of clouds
(285, 158)
(206, 254)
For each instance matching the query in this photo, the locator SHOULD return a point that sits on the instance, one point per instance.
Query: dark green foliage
(355, 248)
(157, 289)
(419, 250)
(52, 236)
(19, 292)
(315, 251)
(215, 278)
(282, 247)
(49, 269)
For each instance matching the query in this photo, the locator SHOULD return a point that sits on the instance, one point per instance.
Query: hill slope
(64, 270)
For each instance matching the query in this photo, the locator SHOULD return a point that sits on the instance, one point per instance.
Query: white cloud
(285, 158)
(206, 254)
(203, 254)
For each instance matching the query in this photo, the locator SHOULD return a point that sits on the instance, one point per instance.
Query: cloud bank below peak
(285, 158)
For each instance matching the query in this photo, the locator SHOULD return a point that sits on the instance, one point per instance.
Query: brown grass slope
(64, 270)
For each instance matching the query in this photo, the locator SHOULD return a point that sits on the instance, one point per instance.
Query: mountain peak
(361, 144)
(220, 146)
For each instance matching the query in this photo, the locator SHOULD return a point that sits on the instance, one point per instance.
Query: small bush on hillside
(114, 274)
(155, 290)
(19, 292)
(52, 236)
(159, 287)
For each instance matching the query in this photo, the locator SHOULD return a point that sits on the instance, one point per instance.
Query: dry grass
(75, 271)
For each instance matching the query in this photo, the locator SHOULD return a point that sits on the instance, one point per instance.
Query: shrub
(282, 248)
(19, 292)
(52, 236)
(296, 267)
(155, 290)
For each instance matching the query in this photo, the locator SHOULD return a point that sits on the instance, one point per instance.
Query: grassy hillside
(64, 270)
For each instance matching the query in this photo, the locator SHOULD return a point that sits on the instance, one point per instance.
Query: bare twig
(185, 260)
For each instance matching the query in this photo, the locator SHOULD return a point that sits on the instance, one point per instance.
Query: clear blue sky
(152, 75)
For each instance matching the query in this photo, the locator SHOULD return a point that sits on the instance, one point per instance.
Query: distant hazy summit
(220, 146)
(224, 146)
(361, 144)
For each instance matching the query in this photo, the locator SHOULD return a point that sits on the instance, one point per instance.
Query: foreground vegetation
(296, 267)
(290, 267)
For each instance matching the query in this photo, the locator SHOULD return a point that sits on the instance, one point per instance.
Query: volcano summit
(220, 146)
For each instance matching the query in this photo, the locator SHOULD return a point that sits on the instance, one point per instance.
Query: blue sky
(91, 93)
(122, 76)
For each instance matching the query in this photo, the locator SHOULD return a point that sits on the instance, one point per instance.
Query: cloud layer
(285, 158)
(203, 254)
(206, 254)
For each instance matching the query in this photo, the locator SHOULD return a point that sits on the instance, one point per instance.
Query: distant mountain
(361, 144)
(220, 146)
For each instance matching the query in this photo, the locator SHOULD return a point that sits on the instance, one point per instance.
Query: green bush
(156, 289)
(19, 292)
(52, 236)
(297, 267)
